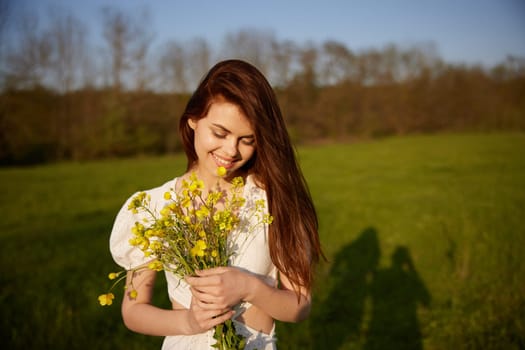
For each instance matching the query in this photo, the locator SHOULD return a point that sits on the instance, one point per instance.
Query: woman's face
(224, 137)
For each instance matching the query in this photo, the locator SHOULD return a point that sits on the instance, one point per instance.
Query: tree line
(62, 98)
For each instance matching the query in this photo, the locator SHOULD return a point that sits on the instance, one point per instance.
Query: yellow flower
(155, 265)
(196, 187)
(165, 212)
(199, 248)
(213, 198)
(155, 245)
(133, 294)
(202, 212)
(135, 241)
(267, 219)
(167, 196)
(259, 204)
(106, 299)
(141, 242)
(113, 275)
(186, 200)
(221, 171)
(138, 229)
(225, 220)
(137, 202)
(214, 253)
(237, 182)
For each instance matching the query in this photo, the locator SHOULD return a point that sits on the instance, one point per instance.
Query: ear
(192, 123)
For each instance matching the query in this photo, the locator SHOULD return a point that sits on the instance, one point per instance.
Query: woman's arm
(224, 287)
(141, 316)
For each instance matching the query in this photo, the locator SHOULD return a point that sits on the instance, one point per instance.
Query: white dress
(252, 255)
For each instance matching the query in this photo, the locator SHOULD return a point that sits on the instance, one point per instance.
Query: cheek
(204, 142)
(247, 152)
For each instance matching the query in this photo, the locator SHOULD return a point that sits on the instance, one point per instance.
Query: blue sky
(464, 31)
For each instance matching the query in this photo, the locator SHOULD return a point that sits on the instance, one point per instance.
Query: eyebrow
(251, 136)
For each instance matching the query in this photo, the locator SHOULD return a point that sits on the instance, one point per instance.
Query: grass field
(424, 237)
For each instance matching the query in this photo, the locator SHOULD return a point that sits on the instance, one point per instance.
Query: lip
(224, 162)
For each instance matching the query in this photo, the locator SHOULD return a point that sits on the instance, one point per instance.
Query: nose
(231, 147)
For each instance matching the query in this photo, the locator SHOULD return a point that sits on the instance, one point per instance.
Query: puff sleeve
(124, 254)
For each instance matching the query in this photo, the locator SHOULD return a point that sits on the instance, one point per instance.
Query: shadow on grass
(368, 307)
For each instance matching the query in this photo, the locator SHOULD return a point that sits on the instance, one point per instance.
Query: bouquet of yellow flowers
(193, 231)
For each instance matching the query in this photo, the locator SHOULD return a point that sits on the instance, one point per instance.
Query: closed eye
(221, 132)
(248, 141)
(219, 135)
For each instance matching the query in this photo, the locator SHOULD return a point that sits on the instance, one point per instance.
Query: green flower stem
(117, 281)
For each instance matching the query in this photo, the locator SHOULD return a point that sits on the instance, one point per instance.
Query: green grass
(423, 236)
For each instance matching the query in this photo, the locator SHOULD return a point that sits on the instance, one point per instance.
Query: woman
(233, 121)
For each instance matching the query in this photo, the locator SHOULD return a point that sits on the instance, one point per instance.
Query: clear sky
(464, 31)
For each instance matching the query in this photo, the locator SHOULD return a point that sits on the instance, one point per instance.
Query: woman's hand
(219, 288)
(141, 316)
(225, 287)
(200, 320)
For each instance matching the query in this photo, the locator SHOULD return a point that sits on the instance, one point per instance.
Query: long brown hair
(293, 235)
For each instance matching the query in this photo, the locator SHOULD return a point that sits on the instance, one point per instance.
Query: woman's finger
(208, 301)
(211, 271)
(204, 281)
(206, 319)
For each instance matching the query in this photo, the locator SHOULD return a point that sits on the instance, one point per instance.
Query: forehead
(229, 116)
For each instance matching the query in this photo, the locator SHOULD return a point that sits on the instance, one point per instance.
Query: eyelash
(220, 136)
(223, 136)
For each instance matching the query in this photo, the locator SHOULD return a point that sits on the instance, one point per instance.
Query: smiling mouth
(222, 162)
